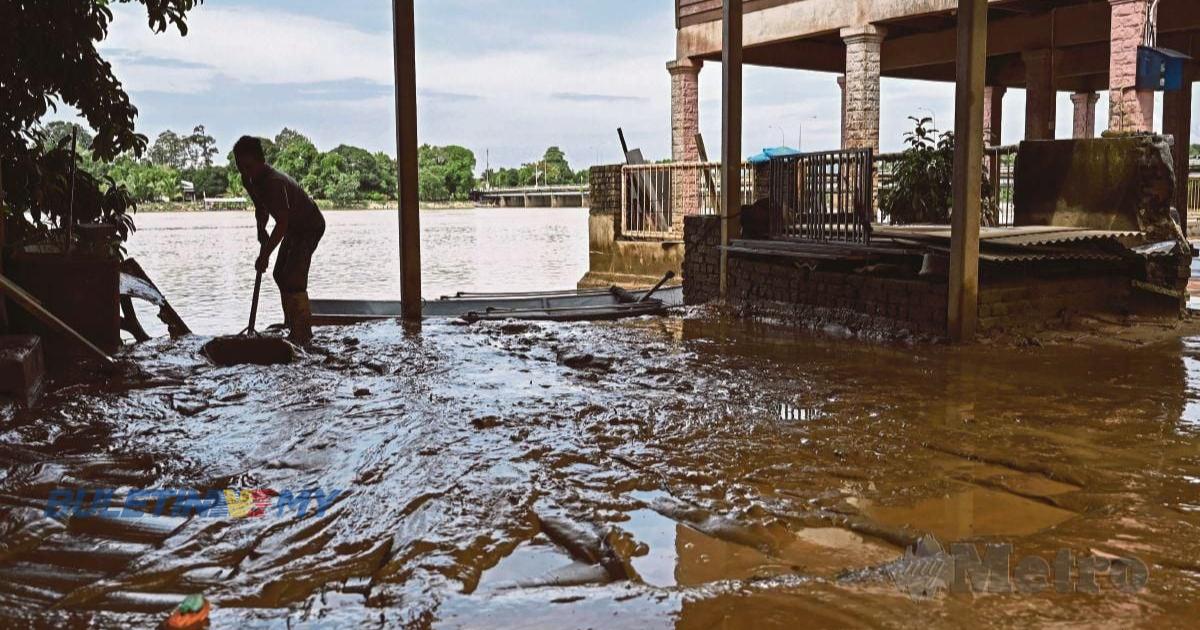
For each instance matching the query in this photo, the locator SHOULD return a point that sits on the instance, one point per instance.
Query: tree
(144, 180)
(364, 166)
(55, 43)
(169, 149)
(295, 154)
(387, 174)
(445, 173)
(210, 181)
(200, 148)
(50, 57)
(555, 168)
(58, 132)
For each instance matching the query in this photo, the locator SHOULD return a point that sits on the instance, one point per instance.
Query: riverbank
(324, 204)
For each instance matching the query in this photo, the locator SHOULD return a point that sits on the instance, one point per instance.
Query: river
(204, 261)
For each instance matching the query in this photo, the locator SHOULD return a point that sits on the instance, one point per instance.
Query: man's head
(248, 154)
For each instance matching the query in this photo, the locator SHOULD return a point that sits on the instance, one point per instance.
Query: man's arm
(260, 212)
(282, 210)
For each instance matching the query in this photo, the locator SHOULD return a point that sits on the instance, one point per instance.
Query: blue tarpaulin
(769, 153)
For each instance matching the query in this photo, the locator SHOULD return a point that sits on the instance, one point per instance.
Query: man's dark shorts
(295, 257)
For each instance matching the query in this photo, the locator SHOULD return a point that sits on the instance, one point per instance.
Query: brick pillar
(1129, 109)
(685, 124)
(1039, 95)
(993, 114)
(841, 81)
(685, 109)
(1177, 122)
(1084, 125)
(861, 112)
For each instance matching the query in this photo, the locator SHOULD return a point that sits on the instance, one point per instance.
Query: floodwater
(204, 261)
(689, 471)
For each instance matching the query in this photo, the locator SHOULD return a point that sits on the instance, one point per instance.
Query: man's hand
(263, 261)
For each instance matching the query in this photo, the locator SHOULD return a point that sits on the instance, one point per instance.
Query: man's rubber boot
(300, 312)
(287, 314)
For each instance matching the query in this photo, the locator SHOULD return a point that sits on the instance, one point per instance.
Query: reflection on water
(204, 261)
(972, 512)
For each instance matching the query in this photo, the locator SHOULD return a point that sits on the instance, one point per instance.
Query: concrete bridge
(534, 197)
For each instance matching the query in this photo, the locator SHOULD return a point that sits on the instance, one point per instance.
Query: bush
(921, 188)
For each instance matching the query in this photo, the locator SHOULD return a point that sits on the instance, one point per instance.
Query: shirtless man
(298, 229)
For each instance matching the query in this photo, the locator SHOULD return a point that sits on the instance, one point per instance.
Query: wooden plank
(963, 311)
(35, 308)
(404, 42)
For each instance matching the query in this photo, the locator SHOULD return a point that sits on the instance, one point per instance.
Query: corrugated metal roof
(1056, 238)
(1043, 255)
(1040, 254)
(1019, 236)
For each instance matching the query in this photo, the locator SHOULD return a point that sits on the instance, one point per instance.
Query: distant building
(187, 189)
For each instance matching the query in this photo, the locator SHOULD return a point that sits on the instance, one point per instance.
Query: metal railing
(1193, 202)
(999, 163)
(656, 197)
(823, 196)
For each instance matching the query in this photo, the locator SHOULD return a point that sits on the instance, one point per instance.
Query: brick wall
(779, 287)
(1007, 303)
(1010, 296)
(605, 188)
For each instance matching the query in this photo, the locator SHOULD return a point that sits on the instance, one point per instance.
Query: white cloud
(255, 46)
(495, 91)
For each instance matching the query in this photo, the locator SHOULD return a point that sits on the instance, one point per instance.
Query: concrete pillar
(1084, 125)
(841, 81)
(1129, 108)
(861, 112)
(993, 114)
(1177, 122)
(685, 109)
(1040, 106)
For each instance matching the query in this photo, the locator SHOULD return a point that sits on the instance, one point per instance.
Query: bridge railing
(656, 197)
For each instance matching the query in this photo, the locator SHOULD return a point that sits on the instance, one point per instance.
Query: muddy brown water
(717, 474)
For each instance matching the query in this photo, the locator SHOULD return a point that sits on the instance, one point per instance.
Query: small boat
(567, 306)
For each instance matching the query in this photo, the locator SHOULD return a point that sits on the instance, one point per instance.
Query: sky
(505, 78)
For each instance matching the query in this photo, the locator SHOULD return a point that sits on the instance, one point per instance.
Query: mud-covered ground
(685, 472)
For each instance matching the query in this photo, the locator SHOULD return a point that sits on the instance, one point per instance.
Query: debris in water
(586, 361)
(192, 612)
